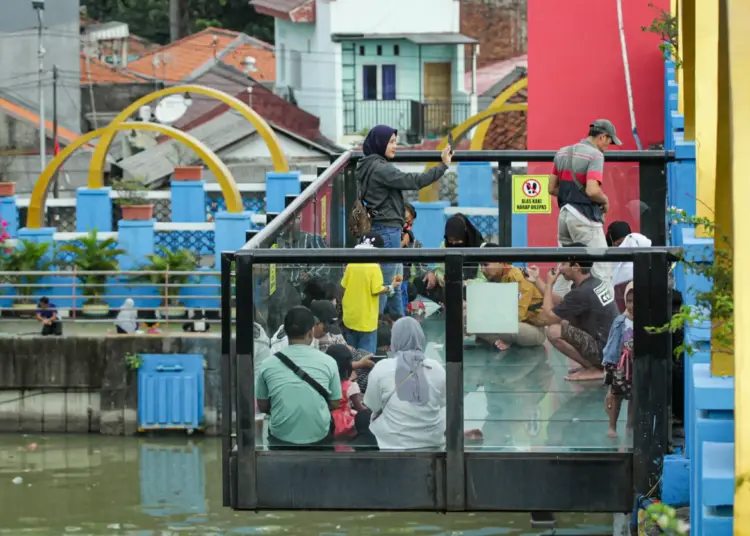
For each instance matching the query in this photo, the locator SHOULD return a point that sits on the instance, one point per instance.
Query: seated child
(363, 285)
(618, 366)
(347, 419)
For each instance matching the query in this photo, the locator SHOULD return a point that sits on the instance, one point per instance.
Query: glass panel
(523, 391)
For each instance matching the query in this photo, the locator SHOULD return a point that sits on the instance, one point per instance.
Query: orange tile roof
(179, 59)
(22, 114)
(103, 73)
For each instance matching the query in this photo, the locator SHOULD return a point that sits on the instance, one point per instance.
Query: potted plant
(7, 187)
(27, 256)
(93, 255)
(131, 196)
(172, 268)
(181, 157)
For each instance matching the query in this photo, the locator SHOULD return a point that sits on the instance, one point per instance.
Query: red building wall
(576, 75)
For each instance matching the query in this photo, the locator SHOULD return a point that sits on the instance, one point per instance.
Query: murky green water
(138, 487)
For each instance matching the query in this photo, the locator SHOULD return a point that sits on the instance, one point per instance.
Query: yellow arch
(432, 192)
(35, 218)
(96, 170)
(477, 140)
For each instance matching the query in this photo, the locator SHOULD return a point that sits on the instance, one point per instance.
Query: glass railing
(517, 406)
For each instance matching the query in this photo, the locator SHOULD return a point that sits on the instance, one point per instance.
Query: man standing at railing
(47, 315)
(576, 180)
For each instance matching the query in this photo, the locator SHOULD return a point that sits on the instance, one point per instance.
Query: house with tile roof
(356, 64)
(189, 57)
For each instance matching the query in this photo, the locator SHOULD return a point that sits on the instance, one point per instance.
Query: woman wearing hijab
(406, 393)
(620, 235)
(382, 186)
(459, 233)
(127, 319)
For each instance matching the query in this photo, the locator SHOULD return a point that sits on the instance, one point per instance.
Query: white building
(356, 64)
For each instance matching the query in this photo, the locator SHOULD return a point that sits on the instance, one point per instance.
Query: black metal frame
(454, 480)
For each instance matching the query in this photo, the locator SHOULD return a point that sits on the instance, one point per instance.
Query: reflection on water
(140, 487)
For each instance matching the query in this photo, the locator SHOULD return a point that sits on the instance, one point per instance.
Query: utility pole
(38, 6)
(56, 188)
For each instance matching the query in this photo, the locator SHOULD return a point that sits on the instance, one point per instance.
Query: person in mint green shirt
(299, 416)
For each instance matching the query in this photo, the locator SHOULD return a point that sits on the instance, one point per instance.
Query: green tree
(150, 18)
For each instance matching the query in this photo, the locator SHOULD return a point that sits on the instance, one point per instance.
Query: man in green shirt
(299, 416)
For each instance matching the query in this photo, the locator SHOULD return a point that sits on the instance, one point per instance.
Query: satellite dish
(170, 109)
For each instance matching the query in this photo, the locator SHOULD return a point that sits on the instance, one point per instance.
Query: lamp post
(38, 6)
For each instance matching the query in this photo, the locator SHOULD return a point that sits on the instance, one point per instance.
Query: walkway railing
(554, 475)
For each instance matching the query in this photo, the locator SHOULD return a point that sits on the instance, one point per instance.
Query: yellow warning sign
(531, 194)
(272, 276)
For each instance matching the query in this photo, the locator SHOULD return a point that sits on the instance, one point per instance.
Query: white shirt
(403, 425)
(623, 271)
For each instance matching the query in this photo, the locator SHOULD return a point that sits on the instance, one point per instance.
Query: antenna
(249, 65)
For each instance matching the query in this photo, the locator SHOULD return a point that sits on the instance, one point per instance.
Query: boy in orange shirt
(363, 285)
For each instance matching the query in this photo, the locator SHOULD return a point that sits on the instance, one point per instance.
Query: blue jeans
(392, 305)
(362, 340)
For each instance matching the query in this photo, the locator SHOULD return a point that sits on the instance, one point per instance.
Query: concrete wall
(19, 63)
(79, 384)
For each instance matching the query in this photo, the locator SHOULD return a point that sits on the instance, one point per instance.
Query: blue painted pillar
(137, 239)
(230, 231)
(475, 184)
(682, 186)
(188, 201)
(278, 186)
(45, 234)
(93, 210)
(9, 214)
(429, 227)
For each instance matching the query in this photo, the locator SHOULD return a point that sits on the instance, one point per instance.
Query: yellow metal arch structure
(96, 170)
(35, 218)
(432, 192)
(477, 140)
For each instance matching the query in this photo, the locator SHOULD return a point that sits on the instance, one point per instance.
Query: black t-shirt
(590, 307)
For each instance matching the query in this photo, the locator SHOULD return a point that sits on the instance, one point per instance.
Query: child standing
(363, 285)
(618, 366)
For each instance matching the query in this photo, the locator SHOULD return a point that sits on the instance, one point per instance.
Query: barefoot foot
(612, 433)
(501, 345)
(586, 375)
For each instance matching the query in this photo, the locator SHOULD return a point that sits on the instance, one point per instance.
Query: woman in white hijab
(406, 393)
(127, 318)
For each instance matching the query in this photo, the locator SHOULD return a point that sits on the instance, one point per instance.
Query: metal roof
(416, 38)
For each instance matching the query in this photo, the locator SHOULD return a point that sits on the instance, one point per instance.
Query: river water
(89, 484)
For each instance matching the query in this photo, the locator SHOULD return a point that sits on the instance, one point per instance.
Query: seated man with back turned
(298, 387)
(579, 324)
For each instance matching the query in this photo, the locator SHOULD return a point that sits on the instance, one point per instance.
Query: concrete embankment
(83, 384)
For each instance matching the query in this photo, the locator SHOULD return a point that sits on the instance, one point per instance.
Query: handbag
(305, 377)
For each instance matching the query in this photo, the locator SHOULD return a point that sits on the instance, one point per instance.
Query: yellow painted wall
(687, 53)
(738, 15)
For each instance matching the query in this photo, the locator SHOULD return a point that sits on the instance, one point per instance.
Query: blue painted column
(682, 183)
(188, 201)
(475, 184)
(278, 186)
(429, 227)
(9, 213)
(230, 231)
(45, 234)
(137, 239)
(93, 210)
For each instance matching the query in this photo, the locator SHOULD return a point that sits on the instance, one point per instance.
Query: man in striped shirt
(576, 181)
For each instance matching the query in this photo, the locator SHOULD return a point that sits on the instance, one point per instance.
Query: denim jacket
(613, 348)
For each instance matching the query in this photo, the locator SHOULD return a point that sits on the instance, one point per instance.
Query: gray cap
(606, 127)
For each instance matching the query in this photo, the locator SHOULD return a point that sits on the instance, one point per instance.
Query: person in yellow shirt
(530, 329)
(363, 286)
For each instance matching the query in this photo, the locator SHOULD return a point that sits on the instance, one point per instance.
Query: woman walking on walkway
(382, 187)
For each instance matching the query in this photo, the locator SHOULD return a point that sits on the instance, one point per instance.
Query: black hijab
(377, 140)
(458, 227)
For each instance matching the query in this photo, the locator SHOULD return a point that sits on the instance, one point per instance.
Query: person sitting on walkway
(382, 187)
(576, 181)
(127, 319)
(530, 328)
(298, 387)
(459, 233)
(579, 324)
(363, 361)
(327, 331)
(47, 315)
(407, 393)
(352, 417)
